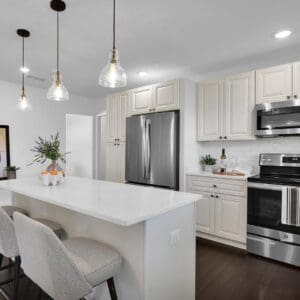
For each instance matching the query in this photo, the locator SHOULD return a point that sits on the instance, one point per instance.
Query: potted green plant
(11, 172)
(208, 162)
(49, 149)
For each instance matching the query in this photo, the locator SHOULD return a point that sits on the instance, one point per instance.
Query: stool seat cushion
(97, 261)
(10, 209)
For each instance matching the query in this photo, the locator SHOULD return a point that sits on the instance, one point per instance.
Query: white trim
(221, 240)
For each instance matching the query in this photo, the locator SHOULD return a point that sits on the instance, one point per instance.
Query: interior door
(274, 84)
(210, 110)
(239, 108)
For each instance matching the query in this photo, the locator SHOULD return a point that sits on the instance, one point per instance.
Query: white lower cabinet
(221, 213)
(230, 218)
(115, 161)
(205, 214)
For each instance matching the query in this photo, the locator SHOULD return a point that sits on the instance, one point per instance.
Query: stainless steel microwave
(278, 118)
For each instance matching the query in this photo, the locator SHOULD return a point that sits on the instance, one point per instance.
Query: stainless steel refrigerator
(152, 149)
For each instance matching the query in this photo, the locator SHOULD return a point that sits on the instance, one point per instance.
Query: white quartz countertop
(122, 204)
(207, 174)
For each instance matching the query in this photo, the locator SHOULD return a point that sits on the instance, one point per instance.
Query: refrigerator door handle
(148, 149)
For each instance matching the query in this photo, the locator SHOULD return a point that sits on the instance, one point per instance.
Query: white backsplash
(246, 153)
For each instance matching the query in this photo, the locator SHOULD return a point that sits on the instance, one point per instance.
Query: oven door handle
(265, 186)
(290, 206)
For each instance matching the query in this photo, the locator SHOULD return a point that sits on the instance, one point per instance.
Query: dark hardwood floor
(228, 273)
(223, 273)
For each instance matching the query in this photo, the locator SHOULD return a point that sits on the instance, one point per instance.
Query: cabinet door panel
(210, 101)
(112, 117)
(123, 107)
(166, 96)
(230, 217)
(296, 80)
(111, 162)
(141, 100)
(274, 84)
(121, 161)
(239, 108)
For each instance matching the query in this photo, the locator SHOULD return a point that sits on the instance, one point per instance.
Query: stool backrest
(8, 241)
(46, 261)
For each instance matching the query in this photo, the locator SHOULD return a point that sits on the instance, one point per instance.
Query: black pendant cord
(23, 65)
(57, 41)
(114, 25)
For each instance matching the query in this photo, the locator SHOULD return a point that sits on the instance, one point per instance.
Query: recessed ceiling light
(142, 74)
(283, 34)
(24, 70)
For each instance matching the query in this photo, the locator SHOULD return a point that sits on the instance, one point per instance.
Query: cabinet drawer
(216, 185)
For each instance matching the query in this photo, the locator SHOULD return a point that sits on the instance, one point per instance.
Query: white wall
(46, 118)
(79, 142)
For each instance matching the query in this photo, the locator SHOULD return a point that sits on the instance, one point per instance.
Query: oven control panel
(277, 159)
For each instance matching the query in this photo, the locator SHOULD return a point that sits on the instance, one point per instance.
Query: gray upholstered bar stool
(8, 243)
(74, 266)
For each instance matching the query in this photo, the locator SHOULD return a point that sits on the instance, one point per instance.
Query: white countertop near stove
(207, 174)
(118, 203)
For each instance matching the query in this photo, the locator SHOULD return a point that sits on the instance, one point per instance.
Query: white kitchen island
(153, 229)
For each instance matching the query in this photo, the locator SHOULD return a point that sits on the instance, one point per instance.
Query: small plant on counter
(208, 163)
(11, 172)
(49, 149)
(208, 160)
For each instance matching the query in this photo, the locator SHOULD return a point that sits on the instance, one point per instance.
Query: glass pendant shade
(57, 91)
(113, 75)
(23, 102)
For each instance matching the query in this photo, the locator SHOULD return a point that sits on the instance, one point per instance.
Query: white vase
(208, 168)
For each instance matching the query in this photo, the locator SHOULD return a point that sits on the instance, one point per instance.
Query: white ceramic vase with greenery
(208, 163)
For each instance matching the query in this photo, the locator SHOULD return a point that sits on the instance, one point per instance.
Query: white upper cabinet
(159, 97)
(274, 84)
(166, 96)
(112, 113)
(239, 106)
(296, 80)
(141, 100)
(210, 106)
(123, 106)
(117, 111)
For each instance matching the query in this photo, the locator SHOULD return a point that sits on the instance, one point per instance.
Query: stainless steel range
(274, 208)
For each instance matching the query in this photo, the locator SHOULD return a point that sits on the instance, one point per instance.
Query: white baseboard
(221, 240)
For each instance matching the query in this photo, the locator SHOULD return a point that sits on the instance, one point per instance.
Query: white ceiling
(166, 38)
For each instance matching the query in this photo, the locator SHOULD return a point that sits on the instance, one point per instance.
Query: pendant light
(113, 75)
(57, 91)
(23, 101)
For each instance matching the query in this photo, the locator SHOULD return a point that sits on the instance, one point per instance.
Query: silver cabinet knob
(220, 137)
(225, 137)
(217, 196)
(296, 96)
(288, 97)
(212, 196)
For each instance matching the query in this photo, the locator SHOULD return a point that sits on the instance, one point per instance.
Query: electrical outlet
(175, 236)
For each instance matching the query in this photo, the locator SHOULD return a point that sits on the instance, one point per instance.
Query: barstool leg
(16, 277)
(1, 259)
(112, 289)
